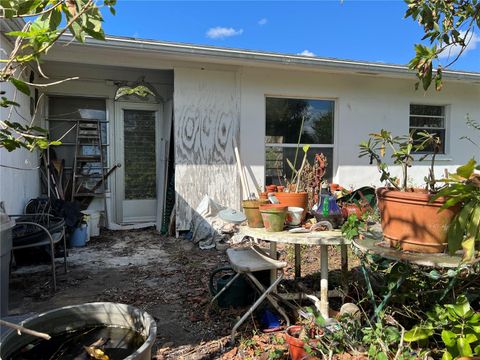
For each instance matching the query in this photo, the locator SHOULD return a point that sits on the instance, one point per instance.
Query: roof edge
(252, 56)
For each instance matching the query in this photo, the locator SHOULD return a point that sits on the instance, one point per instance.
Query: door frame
(119, 154)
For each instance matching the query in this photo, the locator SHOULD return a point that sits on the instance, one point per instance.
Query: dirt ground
(164, 276)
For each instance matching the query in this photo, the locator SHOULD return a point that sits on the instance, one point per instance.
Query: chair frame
(264, 294)
(51, 240)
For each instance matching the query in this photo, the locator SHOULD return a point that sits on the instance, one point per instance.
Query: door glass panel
(140, 154)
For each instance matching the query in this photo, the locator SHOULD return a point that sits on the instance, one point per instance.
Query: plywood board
(206, 105)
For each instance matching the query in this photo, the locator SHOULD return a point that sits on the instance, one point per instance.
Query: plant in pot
(410, 217)
(301, 338)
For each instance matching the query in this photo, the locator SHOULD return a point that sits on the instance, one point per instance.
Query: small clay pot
(254, 217)
(280, 188)
(295, 345)
(273, 216)
(271, 188)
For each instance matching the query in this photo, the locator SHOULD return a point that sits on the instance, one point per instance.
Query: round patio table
(317, 238)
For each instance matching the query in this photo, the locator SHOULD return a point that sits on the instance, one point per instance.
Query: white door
(137, 150)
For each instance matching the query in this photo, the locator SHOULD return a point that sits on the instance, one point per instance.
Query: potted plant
(301, 338)
(410, 217)
(294, 195)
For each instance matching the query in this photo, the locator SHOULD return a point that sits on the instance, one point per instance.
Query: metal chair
(246, 261)
(44, 236)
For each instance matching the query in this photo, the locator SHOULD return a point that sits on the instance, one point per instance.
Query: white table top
(373, 242)
(313, 238)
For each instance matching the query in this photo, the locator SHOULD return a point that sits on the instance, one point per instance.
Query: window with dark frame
(283, 123)
(431, 119)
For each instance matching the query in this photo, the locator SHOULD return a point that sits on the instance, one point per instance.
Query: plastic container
(93, 221)
(79, 236)
(6, 225)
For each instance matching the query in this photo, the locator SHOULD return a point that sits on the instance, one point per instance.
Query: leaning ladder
(88, 173)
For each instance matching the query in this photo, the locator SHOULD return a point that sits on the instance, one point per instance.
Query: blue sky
(357, 30)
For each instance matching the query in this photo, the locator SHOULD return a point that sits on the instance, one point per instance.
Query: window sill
(441, 158)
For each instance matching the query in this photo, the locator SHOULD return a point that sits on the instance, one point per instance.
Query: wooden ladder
(88, 173)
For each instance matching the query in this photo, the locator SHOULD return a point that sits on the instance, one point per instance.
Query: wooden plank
(206, 121)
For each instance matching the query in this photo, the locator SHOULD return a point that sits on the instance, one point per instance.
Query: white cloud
(454, 50)
(222, 32)
(306, 53)
(262, 22)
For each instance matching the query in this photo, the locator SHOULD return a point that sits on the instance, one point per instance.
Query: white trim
(119, 106)
(240, 56)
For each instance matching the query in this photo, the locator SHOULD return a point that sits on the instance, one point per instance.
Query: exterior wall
(17, 186)
(206, 108)
(364, 104)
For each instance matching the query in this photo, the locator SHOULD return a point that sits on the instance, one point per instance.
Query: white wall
(17, 186)
(364, 104)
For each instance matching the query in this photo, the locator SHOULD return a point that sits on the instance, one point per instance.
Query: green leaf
(463, 347)
(418, 333)
(381, 356)
(447, 356)
(55, 19)
(434, 274)
(461, 306)
(448, 337)
(20, 85)
(471, 338)
(466, 170)
(456, 230)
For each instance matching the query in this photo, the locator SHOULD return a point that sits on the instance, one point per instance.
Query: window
(283, 123)
(428, 118)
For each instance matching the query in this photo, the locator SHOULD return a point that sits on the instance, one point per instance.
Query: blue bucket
(79, 236)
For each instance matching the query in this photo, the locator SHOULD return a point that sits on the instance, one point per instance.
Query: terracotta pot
(254, 217)
(411, 222)
(293, 199)
(263, 196)
(280, 188)
(352, 209)
(295, 345)
(273, 216)
(271, 188)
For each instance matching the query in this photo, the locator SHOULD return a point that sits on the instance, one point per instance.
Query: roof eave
(250, 57)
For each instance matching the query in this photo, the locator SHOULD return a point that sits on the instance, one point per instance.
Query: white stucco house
(207, 100)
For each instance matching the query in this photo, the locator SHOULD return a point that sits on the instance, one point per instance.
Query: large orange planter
(294, 200)
(411, 222)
